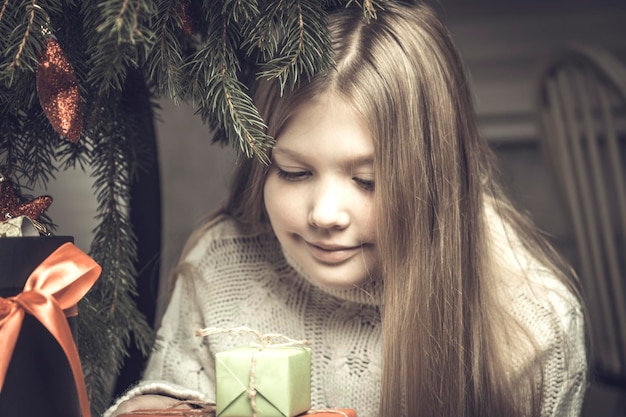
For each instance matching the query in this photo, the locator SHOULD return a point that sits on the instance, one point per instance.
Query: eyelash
(292, 175)
(367, 185)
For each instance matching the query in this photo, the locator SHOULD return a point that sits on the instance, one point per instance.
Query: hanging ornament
(10, 205)
(58, 91)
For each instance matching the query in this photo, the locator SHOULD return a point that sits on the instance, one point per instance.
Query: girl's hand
(147, 402)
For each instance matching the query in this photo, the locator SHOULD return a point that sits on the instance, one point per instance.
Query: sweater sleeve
(180, 365)
(567, 391)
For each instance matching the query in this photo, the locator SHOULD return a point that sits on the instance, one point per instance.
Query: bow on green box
(280, 385)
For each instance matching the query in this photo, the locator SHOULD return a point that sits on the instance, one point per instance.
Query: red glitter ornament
(10, 205)
(58, 91)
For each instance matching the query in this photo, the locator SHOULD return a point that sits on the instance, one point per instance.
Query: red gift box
(331, 412)
(199, 409)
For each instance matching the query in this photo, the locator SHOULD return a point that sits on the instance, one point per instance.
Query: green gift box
(281, 381)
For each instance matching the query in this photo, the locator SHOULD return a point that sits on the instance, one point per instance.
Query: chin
(341, 283)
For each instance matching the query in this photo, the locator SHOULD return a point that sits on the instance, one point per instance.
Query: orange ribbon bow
(57, 284)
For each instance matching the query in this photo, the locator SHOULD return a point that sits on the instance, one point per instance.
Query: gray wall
(506, 46)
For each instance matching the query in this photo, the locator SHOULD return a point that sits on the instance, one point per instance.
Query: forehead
(326, 123)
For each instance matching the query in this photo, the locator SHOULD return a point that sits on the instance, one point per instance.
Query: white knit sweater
(232, 278)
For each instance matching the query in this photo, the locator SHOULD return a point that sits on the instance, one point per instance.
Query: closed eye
(367, 185)
(292, 175)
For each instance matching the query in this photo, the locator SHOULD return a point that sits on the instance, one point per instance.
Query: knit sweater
(232, 278)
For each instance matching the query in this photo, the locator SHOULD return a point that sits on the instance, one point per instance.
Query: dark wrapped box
(39, 380)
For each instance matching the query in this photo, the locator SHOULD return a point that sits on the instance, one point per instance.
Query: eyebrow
(358, 161)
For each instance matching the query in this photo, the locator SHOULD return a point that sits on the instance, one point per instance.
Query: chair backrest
(582, 110)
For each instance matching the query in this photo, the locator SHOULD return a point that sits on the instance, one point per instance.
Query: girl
(378, 234)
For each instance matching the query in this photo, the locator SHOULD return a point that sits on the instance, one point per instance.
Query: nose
(329, 207)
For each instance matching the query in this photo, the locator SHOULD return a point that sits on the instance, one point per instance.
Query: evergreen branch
(38, 142)
(26, 151)
(109, 74)
(20, 48)
(92, 328)
(27, 144)
(219, 93)
(10, 150)
(120, 17)
(369, 7)
(73, 155)
(239, 11)
(22, 37)
(3, 10)
(262, 35)
(137, 106)
(23, 43)
(165, 59)
(242, 121)
(115, 44)
(126, 21)
(306, 48)
(114, 247)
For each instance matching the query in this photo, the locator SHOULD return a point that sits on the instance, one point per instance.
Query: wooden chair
(582, 110)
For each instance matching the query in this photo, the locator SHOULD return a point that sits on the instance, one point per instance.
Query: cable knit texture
(232, 278)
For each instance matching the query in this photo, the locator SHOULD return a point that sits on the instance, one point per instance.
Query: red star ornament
(10, 205)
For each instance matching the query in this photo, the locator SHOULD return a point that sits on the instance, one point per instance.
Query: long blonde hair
(433, 172)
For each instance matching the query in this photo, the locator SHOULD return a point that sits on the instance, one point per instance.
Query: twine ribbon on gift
(57, 284)
(265, 340)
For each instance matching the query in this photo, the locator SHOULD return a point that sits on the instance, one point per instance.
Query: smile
(333, 254)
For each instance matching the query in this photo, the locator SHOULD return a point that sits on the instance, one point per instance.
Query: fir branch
(96, 361)
(264, 34)
(219, 93)
(240, 12)
(306, 46)
(124, 19)
(120, 41)
(114, 247)
(7, 28)
(241, 120)
(3, 9)
(165, 59)
(369, 7)
(27, 141)
(73, 155)
(24, 41)
(38, 143)
(20, 49)
(138, 109)
(10, 151)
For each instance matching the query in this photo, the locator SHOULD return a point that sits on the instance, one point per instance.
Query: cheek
(282, 203)
(371, 221)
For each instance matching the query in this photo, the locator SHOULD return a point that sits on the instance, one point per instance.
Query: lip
(332, 254)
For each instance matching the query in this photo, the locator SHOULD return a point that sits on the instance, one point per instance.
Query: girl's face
(319, 193)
